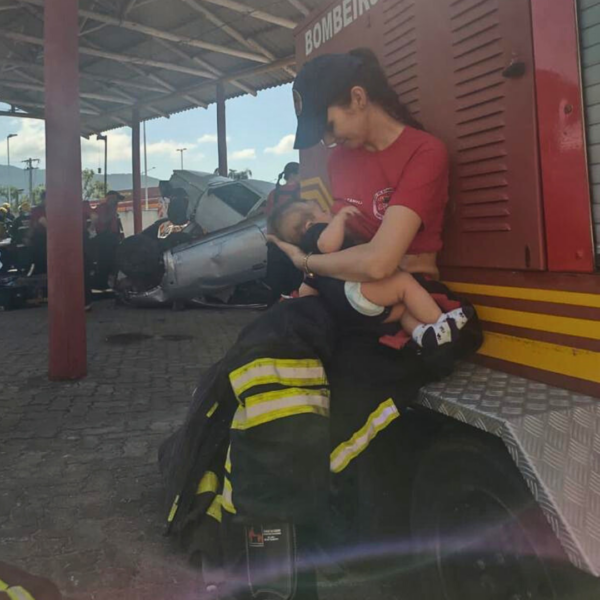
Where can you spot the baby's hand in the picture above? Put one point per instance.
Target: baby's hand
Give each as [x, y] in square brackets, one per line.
[348, 211]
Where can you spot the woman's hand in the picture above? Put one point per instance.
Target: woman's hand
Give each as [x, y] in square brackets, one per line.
[294, 253]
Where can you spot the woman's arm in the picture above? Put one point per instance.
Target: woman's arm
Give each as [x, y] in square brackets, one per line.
[368, 262]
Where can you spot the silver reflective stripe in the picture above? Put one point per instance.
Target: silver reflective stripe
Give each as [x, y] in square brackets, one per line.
[272, 370]
[227, 497]
[271, 406]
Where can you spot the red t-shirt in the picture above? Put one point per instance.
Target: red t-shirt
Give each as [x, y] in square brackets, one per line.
[412, 172]
[289, 191]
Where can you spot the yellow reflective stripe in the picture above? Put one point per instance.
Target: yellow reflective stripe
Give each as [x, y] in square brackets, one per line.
[282, 404]
[228, 460]
[208, 483]
[215, 510]
[227, 499]
[18, 593]
[290, 372]
[378, 420]
[15, 592]
[211, 412]
[173, 509]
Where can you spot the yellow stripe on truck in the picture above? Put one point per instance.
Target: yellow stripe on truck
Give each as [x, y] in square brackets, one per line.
[537, 295]
[564, 360]
[585, 328]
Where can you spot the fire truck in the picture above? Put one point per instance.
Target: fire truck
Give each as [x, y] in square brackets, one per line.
[501, 461]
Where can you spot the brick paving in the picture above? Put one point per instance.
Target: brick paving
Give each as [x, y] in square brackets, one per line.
[80, 498]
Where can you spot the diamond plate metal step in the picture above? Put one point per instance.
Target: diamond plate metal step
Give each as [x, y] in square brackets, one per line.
[553, 436]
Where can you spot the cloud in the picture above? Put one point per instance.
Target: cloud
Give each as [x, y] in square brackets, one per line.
[166, 147]
[248, 153]
[284, 146]
[29, 143]
[119, 147]
[210, 138]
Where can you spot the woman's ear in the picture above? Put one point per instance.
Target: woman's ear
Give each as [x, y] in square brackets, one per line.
[359, 98]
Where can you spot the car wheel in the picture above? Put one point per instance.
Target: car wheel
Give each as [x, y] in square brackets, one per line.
[478, 532]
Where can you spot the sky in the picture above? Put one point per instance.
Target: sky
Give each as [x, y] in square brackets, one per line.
[260, 131]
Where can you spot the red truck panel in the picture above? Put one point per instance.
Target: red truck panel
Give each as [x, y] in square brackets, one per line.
[447, 60]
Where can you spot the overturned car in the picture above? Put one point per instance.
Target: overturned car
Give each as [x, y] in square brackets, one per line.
[210, 249]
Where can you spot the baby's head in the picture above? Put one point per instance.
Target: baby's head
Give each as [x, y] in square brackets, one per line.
[290, 221]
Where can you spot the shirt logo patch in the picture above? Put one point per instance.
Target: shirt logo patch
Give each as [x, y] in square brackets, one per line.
[354, 201]
[380, 202]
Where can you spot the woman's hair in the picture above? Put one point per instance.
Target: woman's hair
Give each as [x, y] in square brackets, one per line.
[292, 168]
[278, 216]
[372, 78]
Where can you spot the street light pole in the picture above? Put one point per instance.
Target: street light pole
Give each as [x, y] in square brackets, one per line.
[10, 135]
[104, 138]
[145, 166]
[181, 151]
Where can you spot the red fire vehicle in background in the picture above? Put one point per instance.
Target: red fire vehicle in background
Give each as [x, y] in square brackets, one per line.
[505, 491]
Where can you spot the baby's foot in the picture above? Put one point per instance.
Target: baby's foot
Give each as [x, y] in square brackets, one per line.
[430, 337]
[460, 316]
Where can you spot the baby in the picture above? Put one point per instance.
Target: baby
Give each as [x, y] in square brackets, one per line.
[398, 298]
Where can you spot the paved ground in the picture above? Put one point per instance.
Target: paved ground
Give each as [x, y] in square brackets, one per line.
[80, 493]
[80, 498]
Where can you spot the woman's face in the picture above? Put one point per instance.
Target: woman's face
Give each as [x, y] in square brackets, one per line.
[347, 125]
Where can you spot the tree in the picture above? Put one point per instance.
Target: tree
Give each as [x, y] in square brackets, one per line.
[91, 189]
[37, 194]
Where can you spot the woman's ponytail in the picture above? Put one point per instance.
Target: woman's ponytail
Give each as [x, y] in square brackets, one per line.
[278, 184]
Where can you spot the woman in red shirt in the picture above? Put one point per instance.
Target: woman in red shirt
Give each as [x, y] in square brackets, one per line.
[290, 190]
[312, 397]
[395, 173]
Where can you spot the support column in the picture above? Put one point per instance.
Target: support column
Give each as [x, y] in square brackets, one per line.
[66, 317]
[222, 130]
[137, 171]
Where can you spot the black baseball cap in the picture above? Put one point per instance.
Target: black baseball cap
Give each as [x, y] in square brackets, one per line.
[115, 193]
[318, 84]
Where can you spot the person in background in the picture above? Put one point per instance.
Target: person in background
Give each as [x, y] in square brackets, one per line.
[21, 225]
[88, 262]
[19, 234]
[9, 216]
[289, 191]
[282, 277]
[109, 233]
[38, 236]
[4, 223]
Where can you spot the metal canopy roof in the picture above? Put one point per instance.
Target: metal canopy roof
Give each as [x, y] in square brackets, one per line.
[163, 56]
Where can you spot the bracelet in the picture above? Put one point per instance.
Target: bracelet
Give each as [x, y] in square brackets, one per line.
[305, 268]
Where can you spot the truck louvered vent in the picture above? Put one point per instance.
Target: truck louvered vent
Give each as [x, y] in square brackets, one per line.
[482, 191]
[400, 51]
[589, 26]
[465, 68]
